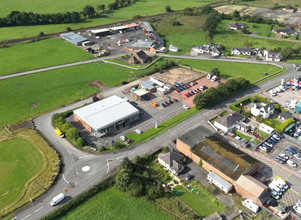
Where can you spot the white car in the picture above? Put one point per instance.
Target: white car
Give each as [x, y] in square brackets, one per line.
[297, 156]
[268, 144]
[276, 137]
[284, 156]
[185, 106]
[138, 131]
[201, 88]
[97, 37]
[263, 148]
[291, 163]
[122, 138]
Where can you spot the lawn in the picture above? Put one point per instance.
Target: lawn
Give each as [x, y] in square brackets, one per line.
[276, 122]
[242, 135]
[251, 72]
[190, 200]
[260, 30]
[20, 161]
[263, 134]
[44, 53]
[143, 8]
[55, 88]
[113, 204]
[213, 120]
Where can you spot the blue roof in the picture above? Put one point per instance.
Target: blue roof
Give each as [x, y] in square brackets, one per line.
[298, 107]
[73, 38]
[147, 84]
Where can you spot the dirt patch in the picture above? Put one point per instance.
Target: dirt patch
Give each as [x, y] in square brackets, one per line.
[19, 84]
[36, 104]
[96, 84]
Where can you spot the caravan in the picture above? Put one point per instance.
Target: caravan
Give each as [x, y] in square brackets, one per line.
[251, 205]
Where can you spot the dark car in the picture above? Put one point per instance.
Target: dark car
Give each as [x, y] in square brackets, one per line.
[166, 103]
[163, 105]
[188, 177]
[205, 87]
[124, 82]
[188, 94]
[170, 102]
[161, 72]
[278, 160]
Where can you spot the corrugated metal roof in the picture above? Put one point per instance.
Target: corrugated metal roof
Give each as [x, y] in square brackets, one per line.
[143, 44]
[73, 37]
[193, 137]
[106, 112]
[100, 30]
[147, 84]
[148, 26]
[220, 180]
[251, 185]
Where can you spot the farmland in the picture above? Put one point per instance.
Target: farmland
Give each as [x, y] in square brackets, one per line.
[251, 72]
[143, 8]
[39, 54]
[19, 162]
[269, 4]
[113, 204]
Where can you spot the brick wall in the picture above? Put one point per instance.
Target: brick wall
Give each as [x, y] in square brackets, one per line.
[82, 122]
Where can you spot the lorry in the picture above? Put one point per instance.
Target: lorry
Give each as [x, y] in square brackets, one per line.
[57, 199]
[250, 205]
[59, 132]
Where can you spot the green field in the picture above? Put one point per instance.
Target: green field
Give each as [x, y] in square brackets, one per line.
[260, 30]
[44, 53]
[251, 72]
[113, 204]
[269, 3]
[143, 8]
[19, 162]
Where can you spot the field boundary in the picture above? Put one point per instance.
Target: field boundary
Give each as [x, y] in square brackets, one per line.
[270, 38]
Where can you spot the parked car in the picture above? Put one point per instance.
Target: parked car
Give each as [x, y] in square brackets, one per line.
[288, 151]
[201, 88]
[189, 94]
[175, 100]
[278, 160]
[124, 82]
[198, 90]
[186, 95]
[163, 105]
[291, 163]
[160, 72]
[273, 139]
[195, 92]
[284, 156]
[166, 103]
[276, 137]
[170, 102]
[122, 138]
[268, 144]
[188, 177]
[185, 106]
[297, 156]
[275, 194]
[177, 90]
[282, 159]
[181, 83]
[293, 150]
[180, 90]
[185, 86]
[263, 148]
[188, 86]
[138, 131]
[191, 84]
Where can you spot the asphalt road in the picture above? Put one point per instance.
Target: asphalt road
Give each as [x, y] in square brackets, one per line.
[75, 160]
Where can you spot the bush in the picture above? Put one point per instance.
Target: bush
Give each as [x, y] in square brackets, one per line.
[80, 142]
[200, 163]
[167, 8]
[280, 128]
[234, 108]
[246, 113]
[244, 100]
[68, 29]
[259, 119]
[164, 149]
[269, 123]
[41, 33]
[63, 115]
[259, 98]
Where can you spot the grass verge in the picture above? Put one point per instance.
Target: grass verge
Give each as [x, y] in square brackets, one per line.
[263, 134]
[276, 122]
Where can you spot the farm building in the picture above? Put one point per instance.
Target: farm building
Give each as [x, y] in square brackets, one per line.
[140, 57]
[101, 32]
[106, 115]
[140, 94]
[73, 38]
[127, 27]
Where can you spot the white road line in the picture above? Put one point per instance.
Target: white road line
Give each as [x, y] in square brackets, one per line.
[65, 179]
[77, 172]
[26, 217]
[38, 209]
[69, 152]
[120, 157]
[108, 167]
[91, 173]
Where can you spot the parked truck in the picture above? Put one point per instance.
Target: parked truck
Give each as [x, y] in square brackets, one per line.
[59, 132]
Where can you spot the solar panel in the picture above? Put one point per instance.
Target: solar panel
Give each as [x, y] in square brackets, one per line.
[218, 157]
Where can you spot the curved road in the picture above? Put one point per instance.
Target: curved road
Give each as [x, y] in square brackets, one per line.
[99, 165]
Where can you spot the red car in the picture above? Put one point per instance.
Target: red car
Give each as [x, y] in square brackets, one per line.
[123, 41]
[150, 36]
[175, 100]
[166, 103]
[156, 39]
[188, 85]
[177, 90]
[186, 95]
[198, 90]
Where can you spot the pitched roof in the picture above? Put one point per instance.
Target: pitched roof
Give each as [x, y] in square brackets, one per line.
[214, 216]
[224, 157]
[237, 24]
[285, 115]
[251, 185]
[230, 119]
[147, 84]
[142, 55]
[170, 157]
[286, 30]
[266, 107]
[242, 49]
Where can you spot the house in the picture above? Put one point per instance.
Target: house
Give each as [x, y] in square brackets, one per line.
[231, 121]
[173, 48]
[215, 51]
[237, 26]
[171, 161]
[219, 182]
[284, 116]
[214, 216]
[264, 110]
[288, 10]
[286, 31]
[202, 49]
[139, 57]
[241, 51]
[271, 56]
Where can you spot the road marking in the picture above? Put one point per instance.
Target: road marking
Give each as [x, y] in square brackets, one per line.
[65, 179]
[69, 152]
[92, 172]
[108, 167]
[120, 157]
[38, 209]
[77, 172]
[26, 217]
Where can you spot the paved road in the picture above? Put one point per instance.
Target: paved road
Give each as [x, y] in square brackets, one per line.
[75, 160]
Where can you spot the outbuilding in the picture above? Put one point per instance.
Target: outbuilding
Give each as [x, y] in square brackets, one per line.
[148, 86]
[106, 115]
[101, 32]
[140, 94]
[219, 182]
[73, 38]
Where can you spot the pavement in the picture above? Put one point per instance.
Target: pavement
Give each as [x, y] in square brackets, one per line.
[101, 165]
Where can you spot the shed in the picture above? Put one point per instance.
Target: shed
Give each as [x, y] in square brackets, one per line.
[173, 48]
[285, 115]
[289, 127]
[73, 38]
[148, 86]
[219, 182]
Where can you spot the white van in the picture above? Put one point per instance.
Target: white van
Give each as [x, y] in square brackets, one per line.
[250, 205]
[274, 187]
[57, 199]
[213, 78]
[209, 76]
[279, 185]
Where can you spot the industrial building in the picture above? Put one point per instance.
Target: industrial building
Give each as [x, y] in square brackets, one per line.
[106, 115]
[101, 32]
[148, 86]
[127, 27]
[74, 38]
[140, 94]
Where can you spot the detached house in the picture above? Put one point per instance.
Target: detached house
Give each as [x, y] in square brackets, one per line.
[241, 51]
[231, 121]
[271, 56]
[215, 52]
[202, 49]
[286, 31]
[139, 57]
[237, 26]
[171, 161]
[264, 110]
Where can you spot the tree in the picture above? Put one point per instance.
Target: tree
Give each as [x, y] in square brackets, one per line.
[242, 82]
[248, 44]
[155, 191]
[123, 179]
[211, 94]
[59, 122]
[287, 53]
[254, 26]
[231, 84]
[211, 24]
[222, 90]
[135, 188]
[110, 6]
[117, 145]
[183, 160]
[245, 30]
[216, 72]
[126, 164]
[200, 100]
[66, 127]
[145, 174]
[200, 163]
[89, 10]
[167, 8]
[236, 14]
[41, 33]
[68, 28]
[72, 134]
[100, 8]
[80, 142]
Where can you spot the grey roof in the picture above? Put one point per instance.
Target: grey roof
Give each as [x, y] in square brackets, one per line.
[172, 159]
[220, 180]
[230, 119]
[266, 107]
[237, 24]
[148, 26]
[193, 137]
[143, 44]
[160, 40]
[214, 216]
[242, 49]
[286, 30]
[285, 115]
[147, 84]
[73, 37]
[172, 47]
[106, 112]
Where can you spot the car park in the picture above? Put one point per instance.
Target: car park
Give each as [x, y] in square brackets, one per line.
[122, 138]
[297, 156]
[291, 163]
[185, 106]
[138, 131]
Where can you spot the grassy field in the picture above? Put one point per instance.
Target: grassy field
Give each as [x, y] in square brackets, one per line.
[112, 204]
[242, 135]
[251, 72]
[190, 200]
[143, 8]
[19, 162]
[44, 53]
[260, 30]
[268, 4]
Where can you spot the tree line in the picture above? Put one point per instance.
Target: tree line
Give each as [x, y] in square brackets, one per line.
[17, 18]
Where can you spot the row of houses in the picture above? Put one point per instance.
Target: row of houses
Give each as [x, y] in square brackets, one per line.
[212, 48]
[268, 54]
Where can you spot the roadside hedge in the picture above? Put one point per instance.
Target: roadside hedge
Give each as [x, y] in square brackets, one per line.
[63, 115]
[280, 128]
[259, 98]
[78, 200]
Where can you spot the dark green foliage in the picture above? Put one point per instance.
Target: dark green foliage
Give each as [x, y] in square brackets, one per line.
[80, 142]
[167, 8]
[117, 145]
[145, 174]
[68, 28]
[200, 163]
[126, 164]
[216, 72]
[41, 33]
[287, 52]
[123, 179]
[72, 134]
[259, 119]
[236, 106]
[280, 128]
[245, 31]
[211, 24]
[59, 122]
[246, 113]
[135, 188]
[89, 10]
[63, 115]
[155, 191]
[164, 149]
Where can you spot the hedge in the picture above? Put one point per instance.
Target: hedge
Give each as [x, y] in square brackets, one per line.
[259, 98]
[78, 200]
[269, 123]
[280, 128]
[237, 109]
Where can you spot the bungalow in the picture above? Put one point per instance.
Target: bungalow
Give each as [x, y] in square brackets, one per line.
[139, 57]
[173, 48]
[264, 110]
[241, 51]
[202, 49]
[231, 121]
[286, 31]
[171, 161]
[237, 26]
[284, 116]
